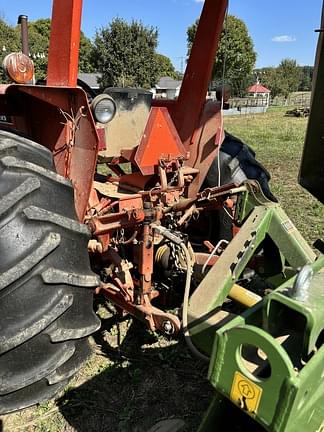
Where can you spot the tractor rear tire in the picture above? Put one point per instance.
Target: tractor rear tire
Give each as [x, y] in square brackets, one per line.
[46, 284]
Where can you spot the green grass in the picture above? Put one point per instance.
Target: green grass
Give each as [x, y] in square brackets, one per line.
[149, 378]
[278, 142]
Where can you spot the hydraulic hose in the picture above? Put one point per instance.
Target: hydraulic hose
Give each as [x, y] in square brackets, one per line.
[179, 241]
[185, 307]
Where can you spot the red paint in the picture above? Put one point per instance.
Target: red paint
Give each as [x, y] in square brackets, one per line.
[258, 88]
[160, 139]
[74, 144]
[101, 131]
[63, 55]
[186, 114]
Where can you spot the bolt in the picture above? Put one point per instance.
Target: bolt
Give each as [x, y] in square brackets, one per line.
[168, 327]
[147, 205]
[137, 215]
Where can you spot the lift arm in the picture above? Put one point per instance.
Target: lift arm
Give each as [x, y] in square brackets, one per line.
[63, 55]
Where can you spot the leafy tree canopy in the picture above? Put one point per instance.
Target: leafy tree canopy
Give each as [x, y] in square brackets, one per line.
[8, 38]
[287, 77]
[290, 75]
[165, 67]
[236, 53]
[306, 73]
[9, 42]
[39, 35]
[38, 32]
[125, 54]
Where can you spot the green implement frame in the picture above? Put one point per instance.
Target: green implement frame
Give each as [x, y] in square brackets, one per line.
[266, 219]
[273, 372]
[268, 362]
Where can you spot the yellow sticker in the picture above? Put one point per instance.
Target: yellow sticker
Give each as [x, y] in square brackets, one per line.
[245, 393]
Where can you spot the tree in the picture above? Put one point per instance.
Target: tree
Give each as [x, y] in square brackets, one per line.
[9, 42]
[85, 55]
[39, 35]
[272, 79]
[306, 78]
[39, 32]
[283, 79]
[125, 54]
[235, 53]
[290, 75]
[165, 66]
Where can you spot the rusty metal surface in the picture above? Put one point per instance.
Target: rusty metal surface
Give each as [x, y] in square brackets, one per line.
[154, 318]
[125, 218]
[102, 138]
[3, 88]
[23, 21]
[7, 105]
[166, 103]
[146, 259]
[111, 190]
[61, 120]
[19, 67]
[205, 144]
[64, 43]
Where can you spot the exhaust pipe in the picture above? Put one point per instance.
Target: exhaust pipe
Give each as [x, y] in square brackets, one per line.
[23, 21]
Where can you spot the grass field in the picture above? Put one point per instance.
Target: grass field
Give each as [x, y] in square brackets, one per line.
[136, 378]
[278, 142]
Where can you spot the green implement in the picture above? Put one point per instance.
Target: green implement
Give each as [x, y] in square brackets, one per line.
[274, 371]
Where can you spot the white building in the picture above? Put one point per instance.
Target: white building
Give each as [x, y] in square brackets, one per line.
[258, 91]
[166, 88]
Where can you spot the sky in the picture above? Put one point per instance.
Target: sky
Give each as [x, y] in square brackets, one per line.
[279, 28]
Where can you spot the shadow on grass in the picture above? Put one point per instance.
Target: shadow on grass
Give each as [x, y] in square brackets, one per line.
[141, 385]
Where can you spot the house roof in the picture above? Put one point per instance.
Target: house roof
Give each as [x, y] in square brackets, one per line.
[258, 88]
[168, 83]
[90, 78]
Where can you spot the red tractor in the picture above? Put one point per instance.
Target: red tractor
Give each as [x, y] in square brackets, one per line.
[56, 210]
[171, 214]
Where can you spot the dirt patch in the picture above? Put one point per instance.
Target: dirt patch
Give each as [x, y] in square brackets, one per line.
[134, 379]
